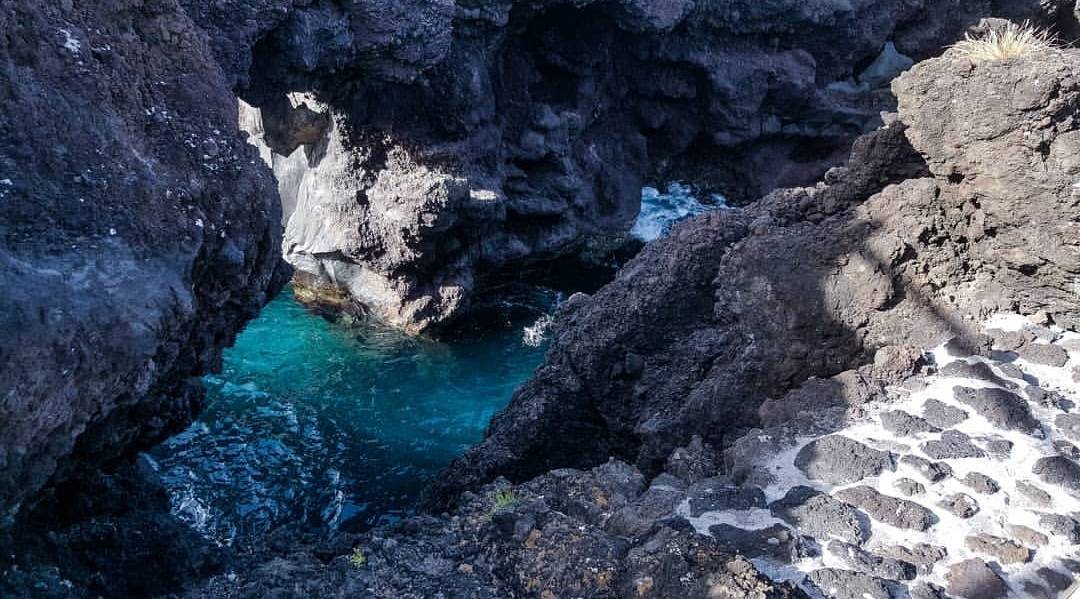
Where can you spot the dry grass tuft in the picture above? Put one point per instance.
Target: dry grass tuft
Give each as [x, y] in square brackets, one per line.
[1011, 41]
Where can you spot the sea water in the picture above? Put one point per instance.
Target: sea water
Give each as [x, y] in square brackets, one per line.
[661, 210]
[328, 424]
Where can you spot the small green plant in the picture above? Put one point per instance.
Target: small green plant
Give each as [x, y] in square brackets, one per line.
[1010, 41]
[358, 559]
[503, 499]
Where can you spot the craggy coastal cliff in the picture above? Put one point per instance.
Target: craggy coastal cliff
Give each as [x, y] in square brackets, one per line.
[859, 387]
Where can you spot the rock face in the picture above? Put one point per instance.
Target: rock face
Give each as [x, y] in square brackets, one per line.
[737, 307]
[138, 234]
[489, 133]
[563, 534]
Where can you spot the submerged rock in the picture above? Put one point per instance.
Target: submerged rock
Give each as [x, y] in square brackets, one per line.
[1060, 471]
[846, 584]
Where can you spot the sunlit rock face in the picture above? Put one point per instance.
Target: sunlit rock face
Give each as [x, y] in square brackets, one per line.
[421, 146]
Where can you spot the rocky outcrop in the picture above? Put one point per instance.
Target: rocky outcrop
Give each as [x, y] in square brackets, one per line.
[138, 234]
[604, 532]
[421, 147]
[697, 333]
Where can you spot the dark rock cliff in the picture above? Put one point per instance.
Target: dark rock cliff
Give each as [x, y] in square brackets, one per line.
[895, 249]
[138, 233]
[421, 146]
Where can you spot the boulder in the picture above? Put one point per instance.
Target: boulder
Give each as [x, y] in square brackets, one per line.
[901, 513]
[1002, 408]
[952, 445]
[943, 415]
[973, 579]
[981, 483]
[839, 460]
[1059, 471]
[961, 505]
[860, 560]
[1004, 550]
[816, 514]
[903, 424]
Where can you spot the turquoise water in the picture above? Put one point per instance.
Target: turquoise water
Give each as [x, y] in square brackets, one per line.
[339, 426]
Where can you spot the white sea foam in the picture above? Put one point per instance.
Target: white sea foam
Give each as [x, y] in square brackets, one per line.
[997, 511]
[534, 334]
[661, 210]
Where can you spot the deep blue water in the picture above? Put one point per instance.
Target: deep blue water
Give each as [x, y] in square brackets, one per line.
[335, 424]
